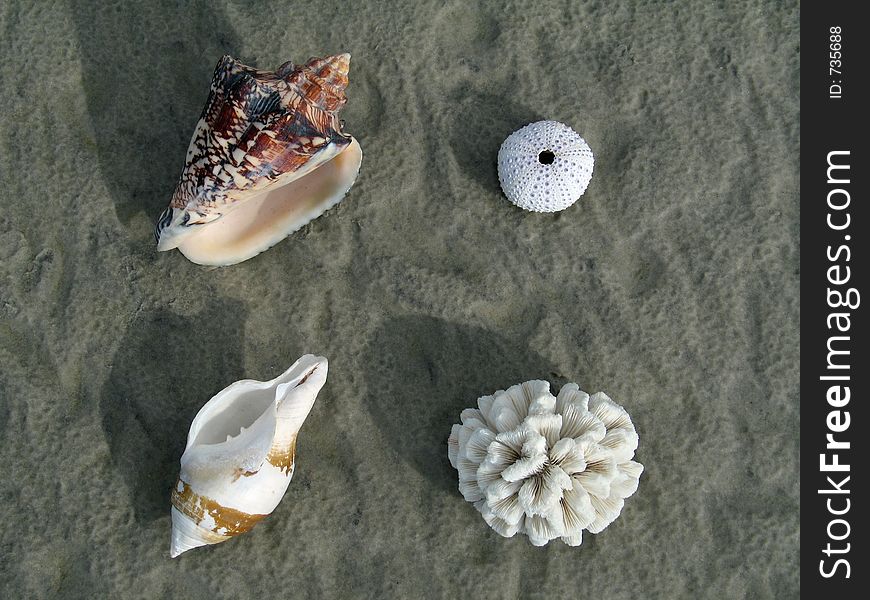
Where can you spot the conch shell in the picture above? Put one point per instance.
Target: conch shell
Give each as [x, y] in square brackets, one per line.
[240, 453]
[267, 156]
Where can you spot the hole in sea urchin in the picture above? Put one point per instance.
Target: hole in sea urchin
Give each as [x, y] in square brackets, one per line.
[546, 157]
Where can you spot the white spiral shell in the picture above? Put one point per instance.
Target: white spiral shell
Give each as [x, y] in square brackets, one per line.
[544, 166]
[546, 466]
[240, 455]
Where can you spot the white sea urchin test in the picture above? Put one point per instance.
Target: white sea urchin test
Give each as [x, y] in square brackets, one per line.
[546, 466]
[544, 166]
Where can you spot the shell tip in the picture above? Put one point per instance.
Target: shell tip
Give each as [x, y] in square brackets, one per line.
[183, 536]
[176, 545]
[340, 62]
[176, 549]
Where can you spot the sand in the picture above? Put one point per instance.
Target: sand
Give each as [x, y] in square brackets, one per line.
[672, 285]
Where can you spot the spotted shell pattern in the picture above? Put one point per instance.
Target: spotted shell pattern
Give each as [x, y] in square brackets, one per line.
[544, 166]
[257, 127]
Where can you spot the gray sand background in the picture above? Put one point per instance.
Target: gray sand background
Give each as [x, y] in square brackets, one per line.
[672, 285]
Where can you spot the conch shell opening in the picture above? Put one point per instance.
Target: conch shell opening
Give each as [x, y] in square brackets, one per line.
[264, 220]
[268, 156]
[240, 455]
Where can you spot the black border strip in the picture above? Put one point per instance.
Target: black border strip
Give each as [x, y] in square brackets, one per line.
[834, 260]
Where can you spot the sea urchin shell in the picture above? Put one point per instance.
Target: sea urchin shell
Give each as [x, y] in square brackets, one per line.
[546, 466]
[544, 166]
[267, 156]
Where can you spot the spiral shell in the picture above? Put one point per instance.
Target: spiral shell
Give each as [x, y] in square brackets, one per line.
[240, 455]
[546, 466]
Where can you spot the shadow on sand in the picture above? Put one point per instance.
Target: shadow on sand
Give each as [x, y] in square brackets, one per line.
[426, 371]
[479, 125]
[167, 367]
[146, 73]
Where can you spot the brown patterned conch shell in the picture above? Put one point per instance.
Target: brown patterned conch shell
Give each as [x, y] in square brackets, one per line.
[240, 455]
[267, 156]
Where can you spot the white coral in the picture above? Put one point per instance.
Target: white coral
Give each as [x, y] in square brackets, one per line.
[544, 166]
[546, 466]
